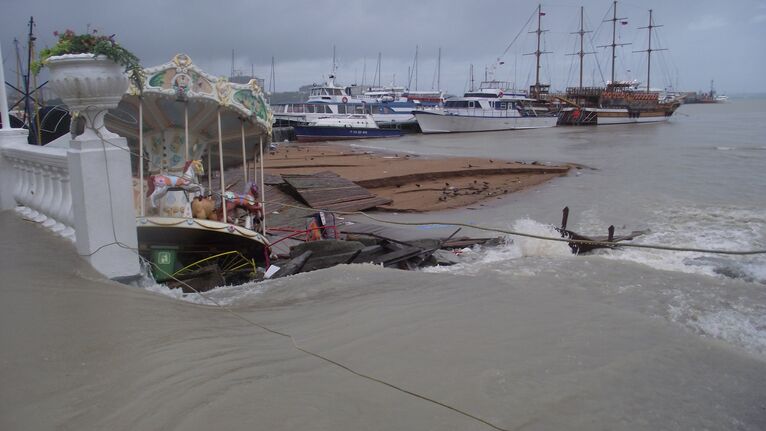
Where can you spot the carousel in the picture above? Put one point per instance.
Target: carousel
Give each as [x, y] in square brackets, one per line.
[190, 128]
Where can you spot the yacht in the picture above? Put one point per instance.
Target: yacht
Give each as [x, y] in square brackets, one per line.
[492, 107]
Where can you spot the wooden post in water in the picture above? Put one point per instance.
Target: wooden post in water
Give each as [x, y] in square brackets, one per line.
[564, 218]
[611, 233]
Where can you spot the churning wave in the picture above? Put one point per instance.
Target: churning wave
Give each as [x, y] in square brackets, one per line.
[703, 228]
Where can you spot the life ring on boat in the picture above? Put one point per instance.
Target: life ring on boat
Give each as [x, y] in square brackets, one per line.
[500, 94]
[344, 99]
[576, 114]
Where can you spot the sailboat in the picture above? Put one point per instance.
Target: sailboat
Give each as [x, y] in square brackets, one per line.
[620, 102]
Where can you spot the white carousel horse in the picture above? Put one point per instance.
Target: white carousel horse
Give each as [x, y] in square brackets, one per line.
[160, 185]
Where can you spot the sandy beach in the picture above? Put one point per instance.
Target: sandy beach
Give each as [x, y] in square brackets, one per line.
[414, 183]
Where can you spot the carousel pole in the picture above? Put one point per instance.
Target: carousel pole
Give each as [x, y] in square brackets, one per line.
[186, 129]
[263, 192]
[209, 167]
[220, 164]
[244, 151]
[142, 199]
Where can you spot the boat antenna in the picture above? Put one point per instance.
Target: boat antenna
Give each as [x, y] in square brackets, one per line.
[538, 53]
[332, 70]
[272, 78]
[416, 68]
[364, 70]
[581, 53]
[377, 69]
[470, 74]
[614, 43]
[439, 71]
[231, 74]
[649, 50]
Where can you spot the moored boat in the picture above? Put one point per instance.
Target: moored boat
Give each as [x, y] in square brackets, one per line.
[620, 102]
[332, 99]
[493, 106]
[340, 127]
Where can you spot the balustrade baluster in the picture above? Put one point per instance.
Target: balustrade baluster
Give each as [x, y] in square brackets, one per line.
[46, 196]
[55, 212]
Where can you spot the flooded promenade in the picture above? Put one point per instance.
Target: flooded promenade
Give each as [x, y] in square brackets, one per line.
[81, 352]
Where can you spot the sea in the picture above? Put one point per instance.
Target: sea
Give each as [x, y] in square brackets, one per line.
[695, 181]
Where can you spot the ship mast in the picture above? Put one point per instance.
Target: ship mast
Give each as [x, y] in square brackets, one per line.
[614, 43]
[538, 52]
[649, 50]
[582, 33]
[439, 71]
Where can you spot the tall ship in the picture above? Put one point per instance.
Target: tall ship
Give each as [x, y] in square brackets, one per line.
[620, 102]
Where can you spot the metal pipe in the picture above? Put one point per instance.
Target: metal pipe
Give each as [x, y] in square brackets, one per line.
[210, 168]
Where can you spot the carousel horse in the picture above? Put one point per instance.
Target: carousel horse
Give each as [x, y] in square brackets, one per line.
[247, 201]
[160, 185]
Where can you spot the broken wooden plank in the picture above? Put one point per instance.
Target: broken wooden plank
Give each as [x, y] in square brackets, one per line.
[294, 266]
[327, 190]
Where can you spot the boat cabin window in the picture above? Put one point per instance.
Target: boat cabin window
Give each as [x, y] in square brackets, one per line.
[456, 104]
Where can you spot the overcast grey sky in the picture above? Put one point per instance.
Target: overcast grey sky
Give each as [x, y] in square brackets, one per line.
[707, 39]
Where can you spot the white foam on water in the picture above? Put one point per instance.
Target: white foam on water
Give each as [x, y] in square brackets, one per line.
[702, 228]
[747, 331]
[738, 322]
[219, 296]
[480, 259]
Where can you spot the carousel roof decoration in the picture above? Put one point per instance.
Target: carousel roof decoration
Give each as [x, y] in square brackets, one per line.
[181, 104]
[182, 80]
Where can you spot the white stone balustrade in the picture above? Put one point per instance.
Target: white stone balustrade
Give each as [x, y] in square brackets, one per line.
[77, 192]
[41, 186]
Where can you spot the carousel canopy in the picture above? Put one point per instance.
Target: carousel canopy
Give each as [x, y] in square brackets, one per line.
[178, 100]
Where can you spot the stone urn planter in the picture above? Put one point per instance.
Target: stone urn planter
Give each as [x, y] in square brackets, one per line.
[90, 85]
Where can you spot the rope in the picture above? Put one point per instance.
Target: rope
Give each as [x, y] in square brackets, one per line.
[534, 236]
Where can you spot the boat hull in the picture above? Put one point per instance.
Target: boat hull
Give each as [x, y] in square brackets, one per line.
[434, 122]
[586, 116]
[332, 133]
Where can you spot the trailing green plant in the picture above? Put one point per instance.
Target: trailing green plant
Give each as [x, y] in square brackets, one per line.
[92, 43]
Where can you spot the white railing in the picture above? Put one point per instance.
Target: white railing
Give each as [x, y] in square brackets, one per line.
[42, 187]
